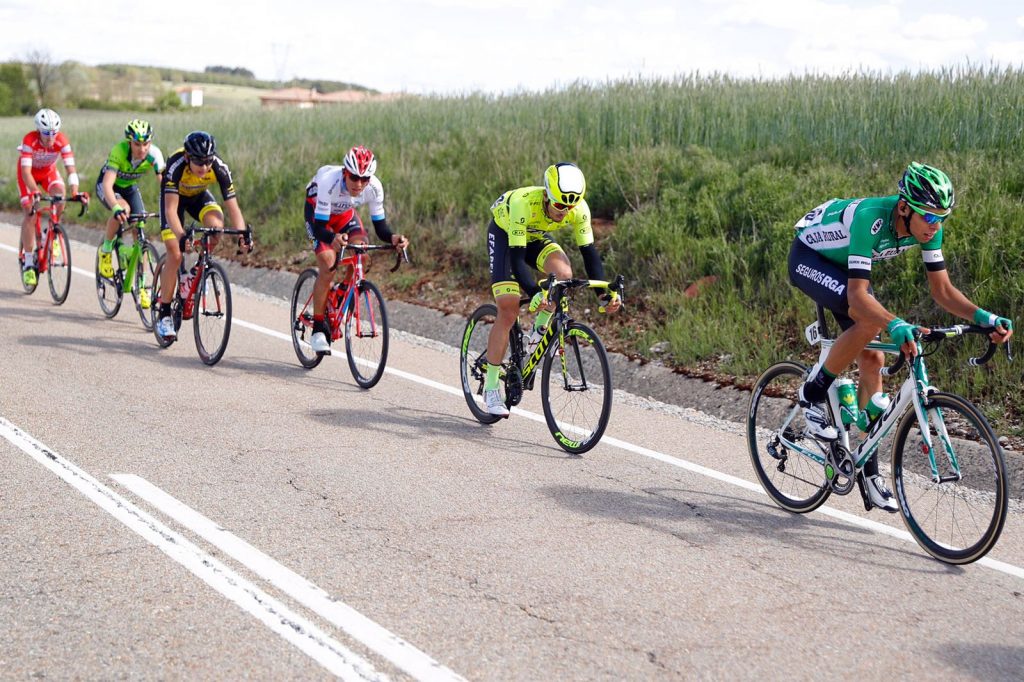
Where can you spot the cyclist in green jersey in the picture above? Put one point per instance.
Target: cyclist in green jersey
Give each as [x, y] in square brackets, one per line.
[517, 238]
[117, 184]
[830, 261]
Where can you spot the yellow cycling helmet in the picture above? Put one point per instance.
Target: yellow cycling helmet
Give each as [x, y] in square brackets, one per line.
[565, 184]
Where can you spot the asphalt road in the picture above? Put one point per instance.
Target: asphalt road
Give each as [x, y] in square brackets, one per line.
[163, 519]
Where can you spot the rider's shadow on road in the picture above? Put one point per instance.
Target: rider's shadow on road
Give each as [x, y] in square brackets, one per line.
[415, 425]
[701, 518]
[982, 661]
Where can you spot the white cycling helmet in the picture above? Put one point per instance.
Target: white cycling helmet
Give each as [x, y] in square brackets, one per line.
[47, 121]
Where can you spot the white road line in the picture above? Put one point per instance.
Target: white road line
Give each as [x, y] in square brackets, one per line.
[881, 528]
[404, 655]
[295, 629]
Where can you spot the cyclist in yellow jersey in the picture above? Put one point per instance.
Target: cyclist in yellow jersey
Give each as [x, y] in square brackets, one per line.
[518, 240]
[190, 170]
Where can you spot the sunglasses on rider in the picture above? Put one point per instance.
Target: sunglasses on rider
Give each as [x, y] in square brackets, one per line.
[930, 218]
[562, 207]
[360, 178]
[205, 161]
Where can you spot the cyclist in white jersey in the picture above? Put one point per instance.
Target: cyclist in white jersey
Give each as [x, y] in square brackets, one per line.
[332, 197]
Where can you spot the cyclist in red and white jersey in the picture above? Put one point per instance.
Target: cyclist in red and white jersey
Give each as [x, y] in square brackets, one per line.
[37, 169]
[332, 197]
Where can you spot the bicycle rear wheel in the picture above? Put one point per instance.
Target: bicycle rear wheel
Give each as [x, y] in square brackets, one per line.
[144, 281]
[108, 289]
[577, 394]
[795, 482]
[58, 266]
[959, 519]
[211, 314]
[366, 335]
[473, 360]
[302, 319]
[164, 341]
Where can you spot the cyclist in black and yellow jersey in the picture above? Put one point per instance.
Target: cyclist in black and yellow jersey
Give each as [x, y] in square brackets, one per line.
[190, 171]
[518, 240]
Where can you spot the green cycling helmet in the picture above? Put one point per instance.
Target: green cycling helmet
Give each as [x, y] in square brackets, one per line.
[138, 130]
[927, 189]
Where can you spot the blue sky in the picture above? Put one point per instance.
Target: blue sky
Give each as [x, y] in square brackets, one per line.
[451, 46]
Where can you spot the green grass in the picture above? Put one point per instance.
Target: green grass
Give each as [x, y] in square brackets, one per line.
[703, 176]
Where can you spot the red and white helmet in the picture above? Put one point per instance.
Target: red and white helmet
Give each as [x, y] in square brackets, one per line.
[47, 121]
[360, 161]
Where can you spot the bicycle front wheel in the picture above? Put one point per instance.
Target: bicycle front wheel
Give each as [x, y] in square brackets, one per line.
[108, 290]
[164, 341]
[955, 511]
[211, 314]
[774, 422]
[577, 391]
[143, 284]
[366, 335]
[302, 319]
[58, 270]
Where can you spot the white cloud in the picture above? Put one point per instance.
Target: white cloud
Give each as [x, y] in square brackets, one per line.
[1007, 53]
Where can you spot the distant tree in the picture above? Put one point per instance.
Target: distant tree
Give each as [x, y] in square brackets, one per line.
[15, 93]
[231, 71]
[44, 72]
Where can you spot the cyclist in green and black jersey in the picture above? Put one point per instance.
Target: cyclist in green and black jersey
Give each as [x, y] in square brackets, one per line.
[117, 184]
[830, 261]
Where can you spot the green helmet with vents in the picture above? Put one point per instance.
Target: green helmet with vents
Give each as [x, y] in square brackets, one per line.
[138, 130]
[927, 189]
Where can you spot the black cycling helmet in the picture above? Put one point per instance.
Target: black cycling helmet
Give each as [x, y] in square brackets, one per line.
[200, 144]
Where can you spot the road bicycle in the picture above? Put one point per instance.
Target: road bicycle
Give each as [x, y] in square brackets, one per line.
[947, 467]
[576, 380]
[53, 252]
[134, 270]
[202, 294]
[355, 309]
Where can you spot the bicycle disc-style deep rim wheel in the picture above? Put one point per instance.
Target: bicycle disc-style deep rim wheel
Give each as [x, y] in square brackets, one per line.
[163, 341]
[302, 319]
[211, 314]
[108, 292]
[957, 521]
[473, 360]
[145, 279]
[576, 389]
[21, 264]
[366, 335]
[58, 266]
[795, 482]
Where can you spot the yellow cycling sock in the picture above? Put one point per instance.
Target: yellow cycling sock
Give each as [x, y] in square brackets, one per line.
[491, 382]
[542, 320]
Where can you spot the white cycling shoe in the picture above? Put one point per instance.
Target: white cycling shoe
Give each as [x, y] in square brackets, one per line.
[165, 328]
[318, 342]
[815, 423]
[879, 495]
[495, 403]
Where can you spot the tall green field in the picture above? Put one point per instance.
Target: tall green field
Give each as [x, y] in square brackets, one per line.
[702, 176]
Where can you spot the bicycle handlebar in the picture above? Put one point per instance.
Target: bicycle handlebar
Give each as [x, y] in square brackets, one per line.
[80, 198]
[401, 255]
[938, 334]
[207, 231]
[555, 287]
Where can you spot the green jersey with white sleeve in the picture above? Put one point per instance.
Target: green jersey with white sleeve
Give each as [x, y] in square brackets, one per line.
[853, 233]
